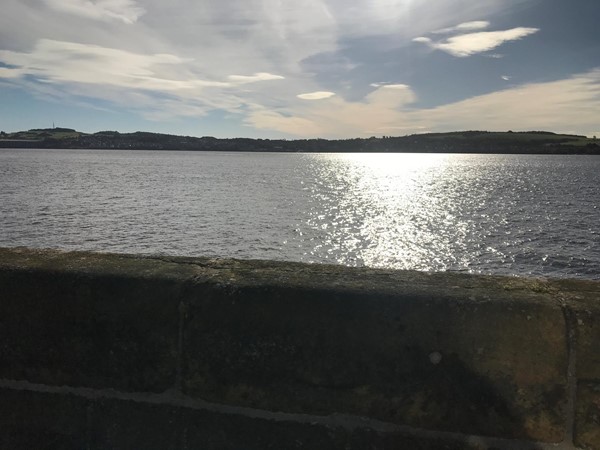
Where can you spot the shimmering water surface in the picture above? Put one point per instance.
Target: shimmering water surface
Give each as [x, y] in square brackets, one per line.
[503, 214]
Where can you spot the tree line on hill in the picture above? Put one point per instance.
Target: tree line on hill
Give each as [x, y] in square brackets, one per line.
[456, 142]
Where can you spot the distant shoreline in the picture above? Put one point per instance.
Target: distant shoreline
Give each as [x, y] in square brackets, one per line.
[470, 142]
[557, 152]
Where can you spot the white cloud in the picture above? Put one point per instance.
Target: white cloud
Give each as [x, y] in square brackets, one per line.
[389, 85]
[10, 73]
[239, 36]
[259, 76]
[473, 43]
[69, 62]
[395, 86]
[156, 86]
[263, 118]
[337, 117]
[319, 95]
[127, 11]
[564, 105]
[466, 26]
[188, 57]
[232, 37]
[423, 39]
[405, 18]
[409, 128]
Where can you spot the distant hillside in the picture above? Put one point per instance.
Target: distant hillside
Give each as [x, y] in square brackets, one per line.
[538, 142]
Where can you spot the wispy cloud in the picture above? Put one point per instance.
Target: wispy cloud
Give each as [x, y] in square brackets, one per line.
[127, 11]
[259, 76]
[74, 63]
[69, 62]
[338, 117]
[410, 17]
[569, 104]
[159, 86]
[472, 43]
[398, 86]
[319, 95]
[248, 58]
[563, 105]
[466, 26]
[263, 118]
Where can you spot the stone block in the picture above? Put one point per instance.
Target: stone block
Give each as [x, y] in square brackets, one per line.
[214, 431]
[93, 330]
[126, 424]
[35, 420]
[587, 416]
[487, 359]
[470, 354]
[586, 306]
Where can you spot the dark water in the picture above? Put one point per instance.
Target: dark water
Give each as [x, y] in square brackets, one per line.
[502, 214]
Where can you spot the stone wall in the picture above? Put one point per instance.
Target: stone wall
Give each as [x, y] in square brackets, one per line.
[101, 351]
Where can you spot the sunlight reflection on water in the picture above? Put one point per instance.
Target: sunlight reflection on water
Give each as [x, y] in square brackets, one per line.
[440, 212]
[383, 210]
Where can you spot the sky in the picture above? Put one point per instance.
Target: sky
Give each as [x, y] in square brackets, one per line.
[302, 68]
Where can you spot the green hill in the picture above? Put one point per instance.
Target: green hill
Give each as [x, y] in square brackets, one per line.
[539, 142]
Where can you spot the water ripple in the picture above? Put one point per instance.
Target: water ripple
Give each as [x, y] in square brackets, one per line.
[503, 214]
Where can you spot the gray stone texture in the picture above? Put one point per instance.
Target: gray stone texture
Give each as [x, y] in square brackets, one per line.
[455, 353]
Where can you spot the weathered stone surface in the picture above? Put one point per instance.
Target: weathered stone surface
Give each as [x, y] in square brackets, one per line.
[588, 331]
[63, 421]
[587, 419]
[489, 360]
[583, 298]
[81, 328]
[33, 420]
[233, 432]
[473, 354]
[123, 424]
